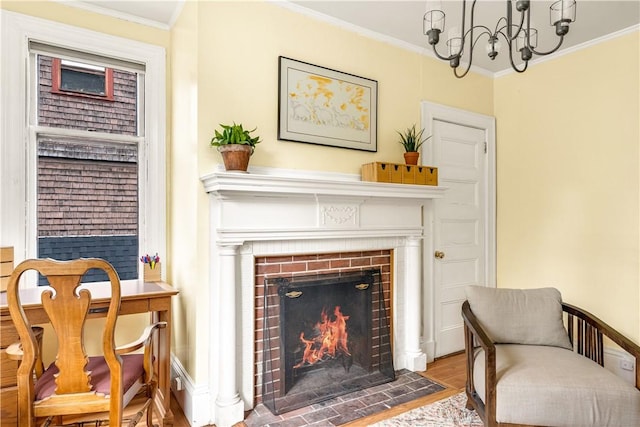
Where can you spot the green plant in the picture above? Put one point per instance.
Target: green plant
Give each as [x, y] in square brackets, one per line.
[411, 139]
[234, 134]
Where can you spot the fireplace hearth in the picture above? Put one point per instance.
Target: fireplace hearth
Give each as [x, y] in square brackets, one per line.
[333, 338]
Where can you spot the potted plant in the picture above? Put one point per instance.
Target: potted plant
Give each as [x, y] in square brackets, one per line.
[236, 145]
[411, 140]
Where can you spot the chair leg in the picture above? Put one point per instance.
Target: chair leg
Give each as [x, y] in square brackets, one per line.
[469, 405]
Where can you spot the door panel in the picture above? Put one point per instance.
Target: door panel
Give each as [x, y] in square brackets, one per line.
[459, 219]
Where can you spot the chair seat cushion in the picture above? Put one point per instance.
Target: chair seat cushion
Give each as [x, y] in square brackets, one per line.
[552, 386]
[132, 369]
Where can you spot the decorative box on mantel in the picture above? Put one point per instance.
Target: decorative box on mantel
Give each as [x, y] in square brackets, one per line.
[276, 212]
[400, 173]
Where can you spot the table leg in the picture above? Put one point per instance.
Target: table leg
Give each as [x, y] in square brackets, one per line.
[162, 350]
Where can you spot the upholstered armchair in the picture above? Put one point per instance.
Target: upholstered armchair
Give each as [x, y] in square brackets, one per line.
[533, 360]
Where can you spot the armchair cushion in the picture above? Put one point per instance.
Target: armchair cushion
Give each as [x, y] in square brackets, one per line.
[537, 385]
[520, 316]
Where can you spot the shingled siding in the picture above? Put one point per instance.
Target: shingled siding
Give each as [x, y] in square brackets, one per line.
[88, 190]
[88, 208]
[78, 112]
[83, 197]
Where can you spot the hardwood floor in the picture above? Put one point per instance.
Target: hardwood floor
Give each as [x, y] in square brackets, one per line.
[448, 371]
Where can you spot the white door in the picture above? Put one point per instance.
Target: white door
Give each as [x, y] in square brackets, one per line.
[463, 221]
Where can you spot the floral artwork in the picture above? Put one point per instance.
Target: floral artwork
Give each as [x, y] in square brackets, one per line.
[327, 107]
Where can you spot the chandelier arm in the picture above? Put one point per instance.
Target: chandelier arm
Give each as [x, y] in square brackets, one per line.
[463, 74]
[464, 38]
[513, 64]
[502, 18]
[444, 58]
[501, 29]
[521, 23]
[550, 51]
[542, 53]
[473, 45]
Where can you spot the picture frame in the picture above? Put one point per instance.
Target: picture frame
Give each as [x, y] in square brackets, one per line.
[318, 105]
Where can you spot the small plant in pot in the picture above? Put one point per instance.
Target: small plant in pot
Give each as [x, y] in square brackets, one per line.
[236, 145]
[412, 140]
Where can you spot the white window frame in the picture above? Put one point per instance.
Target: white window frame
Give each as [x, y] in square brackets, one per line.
[17, 154]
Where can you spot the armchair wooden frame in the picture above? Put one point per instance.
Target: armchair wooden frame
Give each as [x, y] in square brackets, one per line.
[585, 331]
[75, 391]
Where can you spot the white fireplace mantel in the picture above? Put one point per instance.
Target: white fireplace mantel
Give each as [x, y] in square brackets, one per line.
[278, 212]
[278, 182]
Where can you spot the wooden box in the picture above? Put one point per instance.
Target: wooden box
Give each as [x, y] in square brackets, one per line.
[426, 175]
[377, 172]
[152, 274]
[6, 266]
[400, 173]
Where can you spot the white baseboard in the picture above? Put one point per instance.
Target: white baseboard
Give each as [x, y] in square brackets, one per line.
[613, 361]
[193, 399]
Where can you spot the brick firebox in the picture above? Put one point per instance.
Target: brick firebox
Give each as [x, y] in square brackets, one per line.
[293, 265]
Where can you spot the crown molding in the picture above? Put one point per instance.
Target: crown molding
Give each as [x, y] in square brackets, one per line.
[122, 15]
[576, 48]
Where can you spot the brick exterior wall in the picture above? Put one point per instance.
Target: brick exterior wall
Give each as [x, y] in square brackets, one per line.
[292, 265]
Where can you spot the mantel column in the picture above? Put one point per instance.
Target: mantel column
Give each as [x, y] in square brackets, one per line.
[229, 406]
[416, 360]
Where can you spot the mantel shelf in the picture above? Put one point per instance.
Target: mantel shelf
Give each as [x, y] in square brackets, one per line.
[272, 182]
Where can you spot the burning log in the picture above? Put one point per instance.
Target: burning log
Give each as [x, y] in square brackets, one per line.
[329, 342]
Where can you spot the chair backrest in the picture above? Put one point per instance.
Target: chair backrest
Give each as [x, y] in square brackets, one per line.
[67, 307]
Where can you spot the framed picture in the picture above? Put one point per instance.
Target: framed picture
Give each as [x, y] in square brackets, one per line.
[318, 105]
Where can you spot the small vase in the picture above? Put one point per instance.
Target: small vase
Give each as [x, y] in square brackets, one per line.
[411, 157]
[236, 156]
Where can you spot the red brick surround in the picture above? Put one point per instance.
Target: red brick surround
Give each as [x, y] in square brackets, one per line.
[292, 265]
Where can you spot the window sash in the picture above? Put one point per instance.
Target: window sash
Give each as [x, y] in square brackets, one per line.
[18, 160]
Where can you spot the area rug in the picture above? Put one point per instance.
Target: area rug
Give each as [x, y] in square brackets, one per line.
[449, 412]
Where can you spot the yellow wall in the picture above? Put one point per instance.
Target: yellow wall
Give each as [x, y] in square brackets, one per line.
[568, 184]
[568, 179]
[223, 72]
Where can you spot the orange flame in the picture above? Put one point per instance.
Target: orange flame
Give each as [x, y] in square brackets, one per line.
[330, 341]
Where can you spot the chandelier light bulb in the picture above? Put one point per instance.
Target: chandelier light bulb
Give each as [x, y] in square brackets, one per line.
[561, 14]
[493, 46]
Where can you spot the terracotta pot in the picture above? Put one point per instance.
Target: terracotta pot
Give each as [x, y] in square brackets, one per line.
[411, 157]
[236, 156]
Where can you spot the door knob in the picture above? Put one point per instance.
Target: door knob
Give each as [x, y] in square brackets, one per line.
[439, 254]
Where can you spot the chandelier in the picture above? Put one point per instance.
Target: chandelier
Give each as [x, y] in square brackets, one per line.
[519, 37]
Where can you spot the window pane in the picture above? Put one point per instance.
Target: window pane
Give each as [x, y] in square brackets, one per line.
[88, 202]
[87, 187]
[82, 81]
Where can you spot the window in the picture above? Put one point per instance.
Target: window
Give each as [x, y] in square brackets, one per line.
[85, 170]
[79, 79]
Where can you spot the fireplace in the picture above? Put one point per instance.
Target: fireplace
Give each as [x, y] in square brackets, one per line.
[271, 213]
[333, 338]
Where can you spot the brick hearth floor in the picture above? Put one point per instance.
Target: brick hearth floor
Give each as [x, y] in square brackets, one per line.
[406, 387]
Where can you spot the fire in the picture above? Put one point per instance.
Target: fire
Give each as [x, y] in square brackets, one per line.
[330, 341]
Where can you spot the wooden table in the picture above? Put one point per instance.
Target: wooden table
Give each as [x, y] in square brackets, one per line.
[136, 297]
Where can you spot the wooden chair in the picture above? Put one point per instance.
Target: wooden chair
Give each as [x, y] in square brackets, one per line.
[77, 385]
[524, 368]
